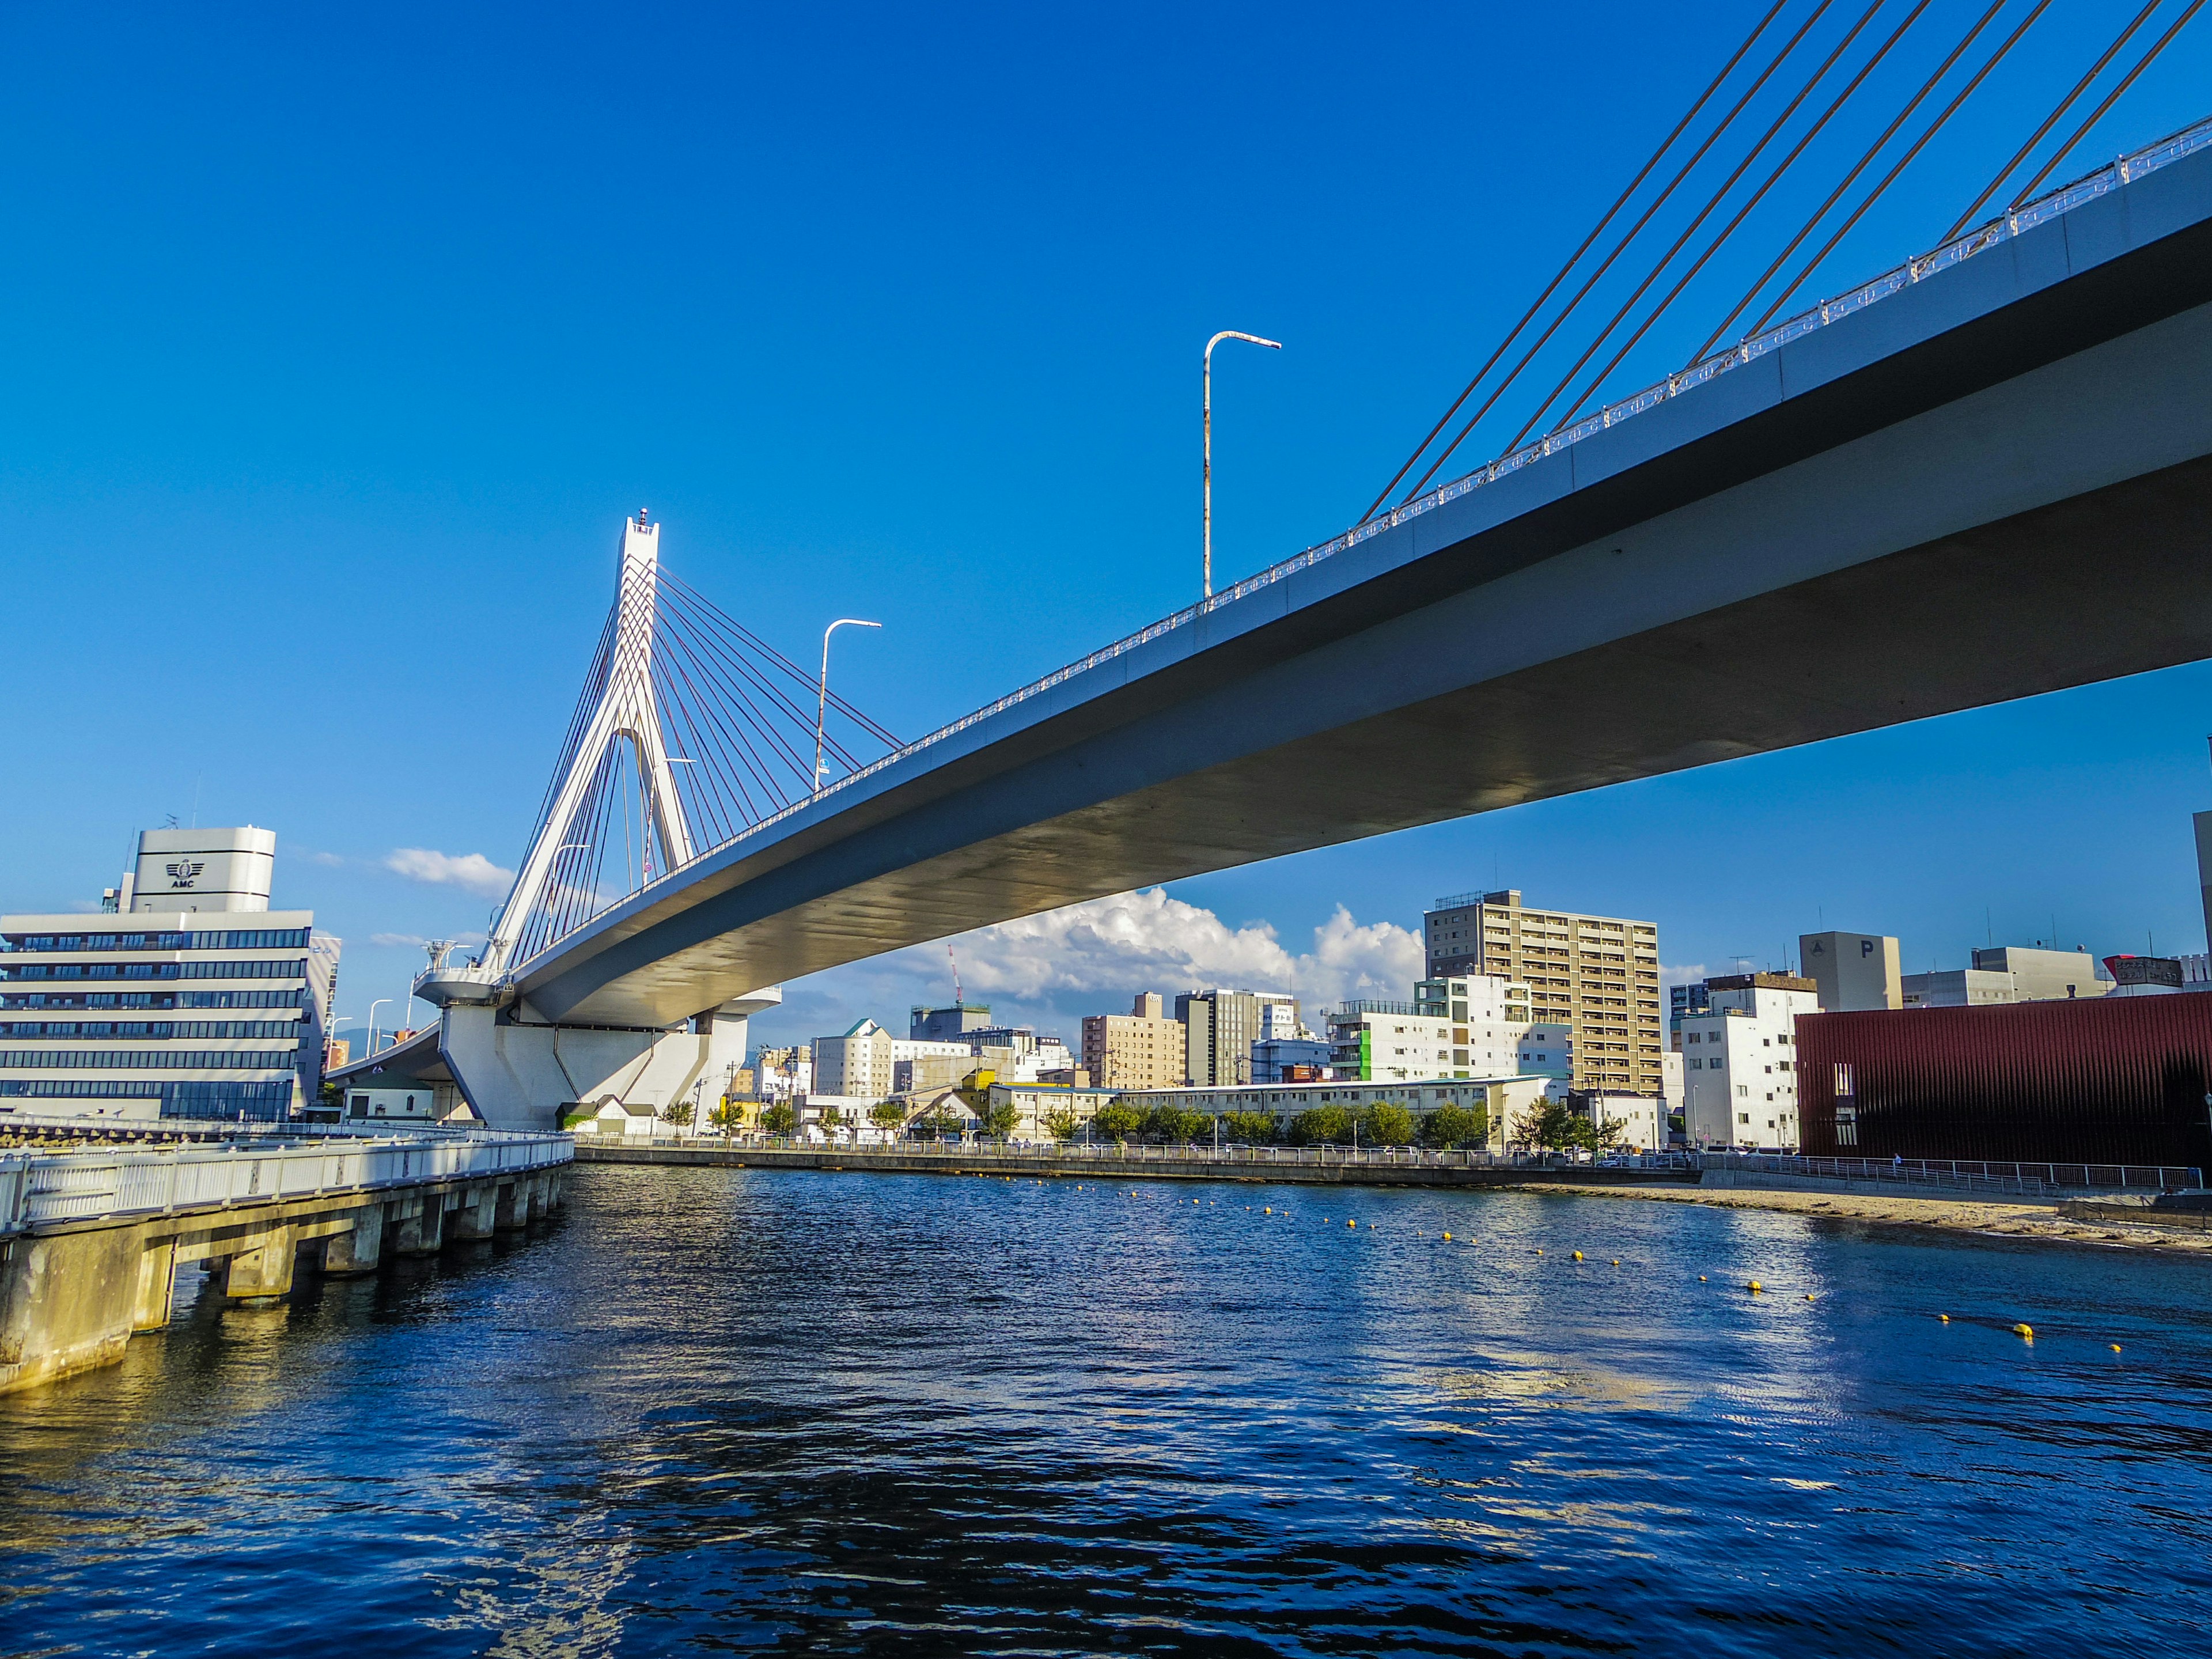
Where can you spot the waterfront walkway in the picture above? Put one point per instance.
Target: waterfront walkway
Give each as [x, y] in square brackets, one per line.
[90, 1242]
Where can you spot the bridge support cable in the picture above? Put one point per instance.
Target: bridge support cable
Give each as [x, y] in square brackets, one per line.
[1620, 247]
[1843, 185]
[1774, 176]
[1689, 231]
[690, 730]
[2056, 115]
[2111, 98]
[1942, 119]
[1574, 258]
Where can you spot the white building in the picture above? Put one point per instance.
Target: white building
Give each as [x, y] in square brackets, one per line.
[1639, 1121]
[187, 996]
[1740, 1061]
[1507, 1098]
[1467, 1026]
[857, 1064]
[2009, 973]
[1546, 1049]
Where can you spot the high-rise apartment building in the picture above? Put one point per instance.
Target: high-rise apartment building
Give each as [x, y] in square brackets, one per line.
[1140, 1049]
[1599, 975]
[1219, 1028]
[186, 997]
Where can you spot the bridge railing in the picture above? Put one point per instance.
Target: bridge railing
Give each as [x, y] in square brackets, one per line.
[42, 1188]
[2054, 203]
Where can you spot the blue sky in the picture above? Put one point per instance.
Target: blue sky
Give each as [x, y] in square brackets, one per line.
[338, 344]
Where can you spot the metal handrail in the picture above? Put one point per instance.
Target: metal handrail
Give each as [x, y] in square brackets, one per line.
[43, 1189]
[2055, 203]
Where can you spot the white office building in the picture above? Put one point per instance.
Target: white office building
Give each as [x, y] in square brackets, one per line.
[185, 996]
[1740, 1061]
[1469, 1025]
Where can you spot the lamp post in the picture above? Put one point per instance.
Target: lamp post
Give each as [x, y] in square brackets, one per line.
[822, 703]
[1206, 381]
[373, 1008]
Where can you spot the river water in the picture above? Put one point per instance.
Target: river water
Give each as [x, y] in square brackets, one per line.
[718, 1410]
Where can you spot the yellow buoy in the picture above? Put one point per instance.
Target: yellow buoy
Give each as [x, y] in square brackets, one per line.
[1808, 1296]
[1447, 1238]
[1616, 1262]
[1271, 1209]
[2028, 1331]
[1539, 1253]
[1349, 1223]
[1755, 1287]
[1945, 1318]
[1701, 1279]
[1579, 1256]
[2116, 1347]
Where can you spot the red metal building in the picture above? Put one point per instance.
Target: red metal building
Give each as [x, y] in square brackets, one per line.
[2100, 1080]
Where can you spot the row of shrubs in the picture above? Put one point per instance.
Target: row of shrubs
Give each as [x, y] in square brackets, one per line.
[1385, 1124]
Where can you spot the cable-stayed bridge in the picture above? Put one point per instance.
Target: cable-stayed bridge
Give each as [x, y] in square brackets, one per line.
[1984, 475]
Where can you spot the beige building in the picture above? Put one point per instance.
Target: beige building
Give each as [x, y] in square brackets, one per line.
[1599, 975]
[1219, 1028]
[857, 1064]
[1140, 1049]
[1854, 971]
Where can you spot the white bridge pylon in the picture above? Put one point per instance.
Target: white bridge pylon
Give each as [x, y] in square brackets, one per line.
[627, 712]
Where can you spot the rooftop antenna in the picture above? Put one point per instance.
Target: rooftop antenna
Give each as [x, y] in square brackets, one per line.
[958, 1001]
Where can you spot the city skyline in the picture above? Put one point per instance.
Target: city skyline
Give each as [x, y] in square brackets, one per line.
[360, 500]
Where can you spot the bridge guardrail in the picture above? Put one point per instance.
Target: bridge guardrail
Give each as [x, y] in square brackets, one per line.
[43, 1189]
[2053, 204]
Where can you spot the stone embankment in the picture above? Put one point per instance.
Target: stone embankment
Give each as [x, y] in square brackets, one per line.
[1301, 1165]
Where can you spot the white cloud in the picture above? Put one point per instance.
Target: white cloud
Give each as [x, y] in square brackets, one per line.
[472, 870]
[1146, 941]
[329, 860]
[1688, 973]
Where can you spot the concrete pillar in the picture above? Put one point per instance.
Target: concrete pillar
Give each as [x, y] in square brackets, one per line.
[475, 1217]
[358, 1251]
[157, 1282]
[510, 1206]
[419, 1227]
[265, 1270]
[65, 1303]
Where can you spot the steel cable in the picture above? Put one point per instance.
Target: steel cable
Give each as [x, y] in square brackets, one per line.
[1712, 203]
[2111, 98]
[1773, 178]
[2051, 120]
[1902, 162]
[1851, 178]
[1596, 230]
[1619, 247]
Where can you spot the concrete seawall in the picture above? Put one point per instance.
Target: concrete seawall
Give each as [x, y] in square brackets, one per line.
[1093, 1167]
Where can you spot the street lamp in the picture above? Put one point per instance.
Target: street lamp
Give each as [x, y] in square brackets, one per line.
[1207, 382]
[373, 1008]
[822, 704]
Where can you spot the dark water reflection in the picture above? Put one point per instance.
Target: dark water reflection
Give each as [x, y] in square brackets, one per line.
[716, 1410]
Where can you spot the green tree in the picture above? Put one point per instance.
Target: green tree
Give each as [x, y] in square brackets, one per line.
[1456, 1126]
[1119, 1121]
[1002, 1119]
[1060, 1121]
[1172, 1122]
[1320, 1126]
[728, 1116]
[779, 1119]
[1253, 1128]
[1557, 1126]
[1386, 1123]
[887, 1114]
[678, 1111]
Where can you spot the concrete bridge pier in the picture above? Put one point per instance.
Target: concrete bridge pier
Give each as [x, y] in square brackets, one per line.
[360, 1251]
[157, 1286]
[263, 1271]
[419, 1226]
[475, 1215]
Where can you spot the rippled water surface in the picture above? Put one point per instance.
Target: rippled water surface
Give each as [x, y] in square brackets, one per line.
[710, 1410]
